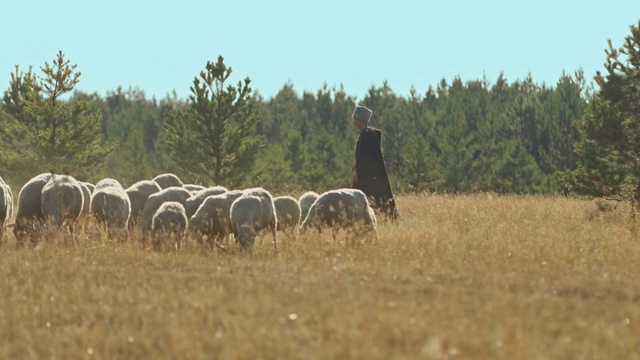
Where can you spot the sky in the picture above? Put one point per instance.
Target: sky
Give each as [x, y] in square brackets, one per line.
[160, 46]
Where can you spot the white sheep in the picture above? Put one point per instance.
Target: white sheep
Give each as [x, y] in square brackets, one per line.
[29, 218]
[306, 200]
[342, 209]
[250, 214]
[193, 187]
[91, 186]
[288, 212]
[62, 201]
[194, 201]
[6, 208]
[154, 201]
[138, 194]
[107, 182]
[86, 195]
[169, 223]
[213, 218]
[111, 208]
[168, 180]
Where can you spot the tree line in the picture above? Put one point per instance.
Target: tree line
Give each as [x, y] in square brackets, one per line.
[459, 136]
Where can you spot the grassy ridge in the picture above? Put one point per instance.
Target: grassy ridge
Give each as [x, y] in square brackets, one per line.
[476, 276]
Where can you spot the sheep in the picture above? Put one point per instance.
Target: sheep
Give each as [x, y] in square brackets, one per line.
[107, 182]
[251, 213]
[6, 208]
[195, 200]
[193, 187]
[61, 201]
[212, 219]
[29, 217]
[169, 222]
[154, 201]
[138, 194]
[287, 211]
[89, 185]
[111, 207]
[168, 180]
[86, 195]
[342, 208]
[306, 200]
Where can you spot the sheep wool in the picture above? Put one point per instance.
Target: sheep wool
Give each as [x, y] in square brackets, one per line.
[62, 201]
[138, 194]
[213, 218]
[169, 223]
[250, 214]
[111, 207]
[195, 200]
[341, 209]
[287, 211]
[154, 201]
[6, 208]
[29, 217]
[306, 200]
[168, 180]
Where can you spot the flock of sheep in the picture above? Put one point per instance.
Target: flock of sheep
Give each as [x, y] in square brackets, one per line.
[168, 212]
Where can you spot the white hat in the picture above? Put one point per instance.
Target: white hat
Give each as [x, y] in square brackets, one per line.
[362, 113]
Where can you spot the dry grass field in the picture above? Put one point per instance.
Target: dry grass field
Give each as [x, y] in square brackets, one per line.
[457, 277]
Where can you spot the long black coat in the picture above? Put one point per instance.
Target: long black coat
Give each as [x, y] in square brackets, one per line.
[371, 172]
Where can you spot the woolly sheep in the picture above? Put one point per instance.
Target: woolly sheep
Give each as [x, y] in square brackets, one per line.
[107, 182]
[287, 211]
[89, 185]
[6, 208]
[212, 219]
[306, 200]
[62, 201]
[341, 209]
[29, 217]
[168, 180]
[193, 187]
[86, 196]
[195, 200]
[169, 222]
[251, 213]
[155, 200]
[111, 207]
[138, 194]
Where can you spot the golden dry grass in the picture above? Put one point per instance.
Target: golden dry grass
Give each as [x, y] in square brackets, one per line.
[458, 277]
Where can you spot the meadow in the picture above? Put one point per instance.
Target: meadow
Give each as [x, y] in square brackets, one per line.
[480, 276]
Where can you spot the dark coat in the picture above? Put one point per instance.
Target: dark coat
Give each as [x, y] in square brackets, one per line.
[371, 172]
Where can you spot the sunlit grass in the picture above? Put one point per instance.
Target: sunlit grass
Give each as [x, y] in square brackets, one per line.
[478, 276]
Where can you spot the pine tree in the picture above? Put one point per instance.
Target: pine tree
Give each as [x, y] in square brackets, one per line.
[420, 164]
[456, 151]
[42, 132]
[609, 165]
[213, 139]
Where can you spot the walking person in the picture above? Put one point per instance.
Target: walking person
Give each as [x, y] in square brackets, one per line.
[371, 172]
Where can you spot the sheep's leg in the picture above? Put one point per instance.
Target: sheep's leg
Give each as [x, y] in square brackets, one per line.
[275, 244]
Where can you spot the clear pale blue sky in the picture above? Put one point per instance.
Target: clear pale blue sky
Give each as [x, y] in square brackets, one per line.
[160, 46]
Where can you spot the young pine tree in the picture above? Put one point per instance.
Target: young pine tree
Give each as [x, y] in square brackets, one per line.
[213, 139]
[610, 128]
[41, 132]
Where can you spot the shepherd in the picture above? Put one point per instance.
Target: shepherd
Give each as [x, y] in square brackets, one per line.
[371, 172]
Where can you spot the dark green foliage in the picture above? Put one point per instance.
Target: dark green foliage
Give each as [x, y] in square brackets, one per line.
[136, 123]
[42, 132]
[457, 137]
[213, 140]
[610, 149]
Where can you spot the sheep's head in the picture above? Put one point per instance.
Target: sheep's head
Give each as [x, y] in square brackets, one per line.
[246, 237]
